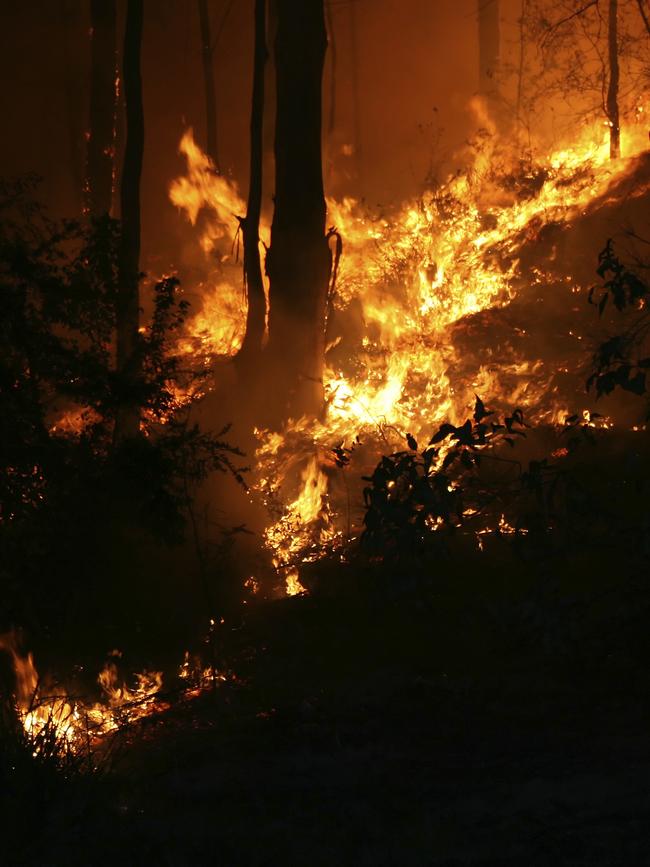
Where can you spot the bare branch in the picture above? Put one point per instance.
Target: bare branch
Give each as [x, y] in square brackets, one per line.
[570, 17]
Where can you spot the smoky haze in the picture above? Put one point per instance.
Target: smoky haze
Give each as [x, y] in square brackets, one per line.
[398, 80]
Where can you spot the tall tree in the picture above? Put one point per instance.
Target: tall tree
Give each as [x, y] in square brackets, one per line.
[208, 83]
[128, 302]
[611, 106]
[592, 56]
[103, 95]
[298, 262]
[488, 51]
[256, 316]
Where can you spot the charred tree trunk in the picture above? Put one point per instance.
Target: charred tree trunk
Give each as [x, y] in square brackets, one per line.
[208, 82]
[256, 316]
[128, 304]
[612, 88]
[298, 262]
[101, 130]
[488, 52]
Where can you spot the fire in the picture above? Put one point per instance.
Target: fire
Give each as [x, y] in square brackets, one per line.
[304, 526]
[52, 714]
[218, 327]
[411, 281]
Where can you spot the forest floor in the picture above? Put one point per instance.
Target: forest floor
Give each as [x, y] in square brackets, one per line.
[421, 727]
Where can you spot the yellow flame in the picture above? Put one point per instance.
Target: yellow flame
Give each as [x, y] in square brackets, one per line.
[407, 279]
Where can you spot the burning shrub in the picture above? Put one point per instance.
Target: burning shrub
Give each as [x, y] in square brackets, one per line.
[464, 483]
[418, 498]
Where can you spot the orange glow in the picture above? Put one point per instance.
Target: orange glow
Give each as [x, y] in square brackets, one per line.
[50, 715]
[414, 278]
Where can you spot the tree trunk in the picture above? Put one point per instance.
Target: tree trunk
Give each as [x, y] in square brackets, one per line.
[208, 82]
[256, 316]
[298, 262]
[612, 88]
[128, 305]
[101, 129]
[488, 51]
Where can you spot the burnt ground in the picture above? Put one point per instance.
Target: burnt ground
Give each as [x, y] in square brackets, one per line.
[401, 725]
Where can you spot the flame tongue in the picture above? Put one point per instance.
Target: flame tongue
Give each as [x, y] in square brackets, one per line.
[56, 717]
[412, 288]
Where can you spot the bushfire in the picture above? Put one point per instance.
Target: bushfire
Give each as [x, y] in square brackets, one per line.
[415, 283]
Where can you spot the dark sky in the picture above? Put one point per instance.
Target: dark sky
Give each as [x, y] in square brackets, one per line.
[413, 56]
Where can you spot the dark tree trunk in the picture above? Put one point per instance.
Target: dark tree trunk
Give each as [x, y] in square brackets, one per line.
[256, 316]
[612, 87]
[298, 262]
[128, 304]
[101, 131]
[208, 83]
[488, 52]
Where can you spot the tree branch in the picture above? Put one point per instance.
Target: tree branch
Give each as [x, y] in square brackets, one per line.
[645, 15]
[570, 17]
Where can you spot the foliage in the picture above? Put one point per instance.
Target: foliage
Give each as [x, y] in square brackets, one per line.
[65, 488]
[413, 494]
[462, 481]
[622, 360]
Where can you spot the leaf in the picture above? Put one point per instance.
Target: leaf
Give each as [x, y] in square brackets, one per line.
[480, 412]
[464, 434]
[443, 432]
[449, 459]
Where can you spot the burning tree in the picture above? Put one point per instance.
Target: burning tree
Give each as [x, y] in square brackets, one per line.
[251, 347]
[591, 56]
[298, 261]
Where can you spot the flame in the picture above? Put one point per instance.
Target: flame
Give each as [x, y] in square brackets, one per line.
[45, 712]
[50, 716]
[411, 281]
[219, 326]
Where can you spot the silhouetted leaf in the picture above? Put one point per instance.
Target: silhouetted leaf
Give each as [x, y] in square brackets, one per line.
[480, 412]
[443, 432]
